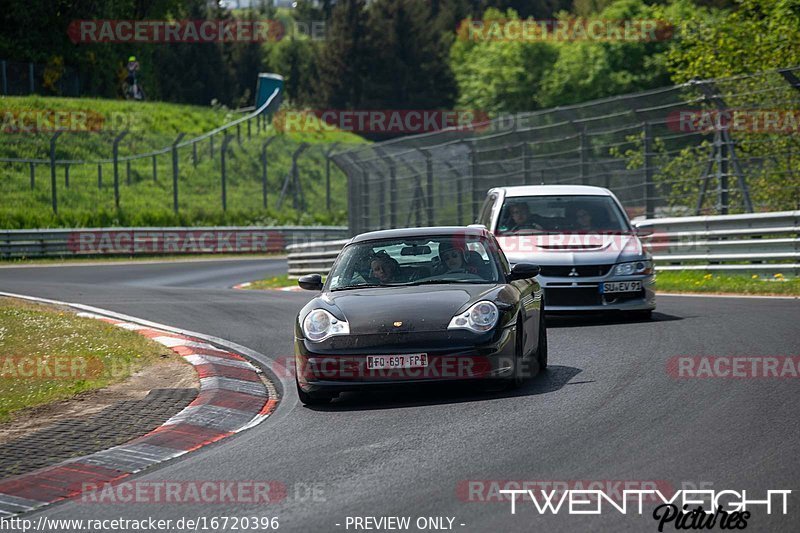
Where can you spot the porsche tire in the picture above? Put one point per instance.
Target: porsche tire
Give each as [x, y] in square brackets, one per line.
[541, 347]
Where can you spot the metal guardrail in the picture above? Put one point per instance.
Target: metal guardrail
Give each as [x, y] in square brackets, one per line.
[744, 243]
[86, 242]
[751, 242]
[313, 257]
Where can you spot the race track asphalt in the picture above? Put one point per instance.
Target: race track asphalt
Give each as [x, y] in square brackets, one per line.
[607, 409]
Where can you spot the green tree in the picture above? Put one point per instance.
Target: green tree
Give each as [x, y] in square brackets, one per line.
[499, 76]
[758, 35]
[408, 62]
[343, 63]
[586, 70]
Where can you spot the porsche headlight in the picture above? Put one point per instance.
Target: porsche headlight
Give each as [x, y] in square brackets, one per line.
[480, 317]
[320, 324]
[634, 267]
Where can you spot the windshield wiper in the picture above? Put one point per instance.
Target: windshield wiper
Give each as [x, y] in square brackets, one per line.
[364, 286]
[447, 281]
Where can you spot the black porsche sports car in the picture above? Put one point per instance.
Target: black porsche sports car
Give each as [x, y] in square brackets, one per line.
[405, 306]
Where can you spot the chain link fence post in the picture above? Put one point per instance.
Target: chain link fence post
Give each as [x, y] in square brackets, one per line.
[175, 172]
[649, 186]
[264, 170]
[115, 156]
[224, 178]
[328, 154]
[53, 184]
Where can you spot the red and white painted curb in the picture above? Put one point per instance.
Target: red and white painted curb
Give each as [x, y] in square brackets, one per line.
[232, 398]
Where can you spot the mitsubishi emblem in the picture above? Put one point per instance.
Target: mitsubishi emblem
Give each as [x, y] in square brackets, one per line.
[573, 272]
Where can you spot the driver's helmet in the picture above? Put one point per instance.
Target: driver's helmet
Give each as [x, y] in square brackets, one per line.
[132, 59]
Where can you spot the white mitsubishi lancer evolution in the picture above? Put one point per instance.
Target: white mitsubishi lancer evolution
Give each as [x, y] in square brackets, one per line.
[591, 258]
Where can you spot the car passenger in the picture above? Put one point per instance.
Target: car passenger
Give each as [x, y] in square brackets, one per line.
[521, 218]
[580, 219]
[383, 268]
[452, 258]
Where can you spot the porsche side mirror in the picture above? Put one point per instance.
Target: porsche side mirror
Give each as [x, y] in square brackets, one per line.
[642, 232]
[310, 282]
[523, 271]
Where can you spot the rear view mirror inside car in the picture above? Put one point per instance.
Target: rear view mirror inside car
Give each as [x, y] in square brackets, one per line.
[416, 250]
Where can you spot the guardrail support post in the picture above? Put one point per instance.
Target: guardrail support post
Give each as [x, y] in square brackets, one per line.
[194, 153]
[115, 153]
[53, 185]
[33, 176]
[649, 186]
[328, 176]
[175, 172]
[66, 176]
[249, 129]
[99, 176]
[155, 169]
[222, 153]
[239, 134]
[128, 172]
[211, 145]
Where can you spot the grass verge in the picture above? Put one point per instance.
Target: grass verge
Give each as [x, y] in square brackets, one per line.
[85, 192]
[47, 354]
[275, 282]
[703, 282]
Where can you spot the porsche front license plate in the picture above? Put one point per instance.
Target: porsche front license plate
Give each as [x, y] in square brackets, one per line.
[620, 286]
[377, 362]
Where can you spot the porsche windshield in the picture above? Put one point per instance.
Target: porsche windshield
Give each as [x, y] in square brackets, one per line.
[429, 260]
[561, 214]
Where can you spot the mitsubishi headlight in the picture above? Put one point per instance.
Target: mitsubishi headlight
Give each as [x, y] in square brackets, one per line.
[634, 267]
[480, 317]
[320, 324]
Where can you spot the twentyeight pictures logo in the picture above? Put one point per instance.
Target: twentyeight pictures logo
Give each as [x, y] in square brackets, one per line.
[685, 509]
